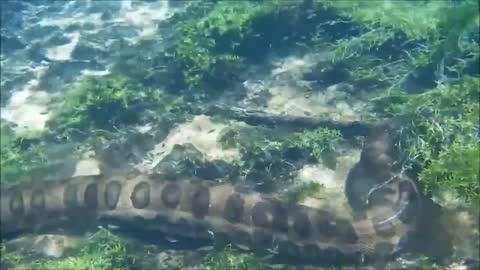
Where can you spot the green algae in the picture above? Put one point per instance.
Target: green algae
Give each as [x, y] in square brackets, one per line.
[403, 57]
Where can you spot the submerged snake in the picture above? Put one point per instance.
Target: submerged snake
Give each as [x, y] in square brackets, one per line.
[200, 209]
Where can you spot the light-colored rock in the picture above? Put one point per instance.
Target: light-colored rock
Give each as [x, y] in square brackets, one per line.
[332, 181]
[64, 52]
[290, 94]
[54, 245]
[27, 107]
[87, 167]
[48, 245]
[202, 133]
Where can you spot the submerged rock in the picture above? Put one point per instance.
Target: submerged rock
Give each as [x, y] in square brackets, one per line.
[87, 167]
[178, 259]
[47, 245]
[182, 159]
[186, 160]
[202, 133]
[332, 181]
[54, 245]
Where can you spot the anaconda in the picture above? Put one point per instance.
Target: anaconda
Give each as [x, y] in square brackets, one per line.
[201, 210]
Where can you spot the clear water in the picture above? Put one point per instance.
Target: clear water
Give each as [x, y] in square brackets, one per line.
[168, 99]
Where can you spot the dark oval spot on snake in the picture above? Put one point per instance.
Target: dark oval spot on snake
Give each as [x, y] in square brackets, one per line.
[140, 196]
[201, 202]
[302, 225]
[234, 207]
[37, 201]
[262, 214]
[112, 194]
[280, 217]
[70, 196]
[171, 195]
[16, 203]
[91, 195]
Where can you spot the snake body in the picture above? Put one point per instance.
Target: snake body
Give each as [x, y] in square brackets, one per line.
[200, 209]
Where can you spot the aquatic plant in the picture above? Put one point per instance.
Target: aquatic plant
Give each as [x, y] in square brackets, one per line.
[263, 161]
[186, 161]
[155, 67]
[229, 259]
[102, 105]
[271, 158]
[440, 134]
[20, 154]
[10, 259]
[98, 103]
[211, 52]
[99, 111]
[196, 54]
[102, 251]
[394, 14]
[381, 47]
[395, 48]
[397, 52]
[318, 143]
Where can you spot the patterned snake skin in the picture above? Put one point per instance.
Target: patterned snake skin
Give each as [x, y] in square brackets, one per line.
[201, 210]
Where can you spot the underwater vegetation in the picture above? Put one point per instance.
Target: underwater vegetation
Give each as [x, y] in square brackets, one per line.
[104, 250]
[419, 70]
[101, 250]
[85, 117]
[21, 154]
[270, 159]
[440, 135]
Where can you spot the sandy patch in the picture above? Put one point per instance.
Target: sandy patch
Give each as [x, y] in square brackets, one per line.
[333, 181]
[68, 20]
[329, 102]
[87, 167]
[292, 95]
[202, 133]
[144, 18]
[48, 245]
[28, 107]
[64, 52]
[294, 64]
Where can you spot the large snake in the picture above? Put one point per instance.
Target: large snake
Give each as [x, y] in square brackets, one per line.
[200, 209]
